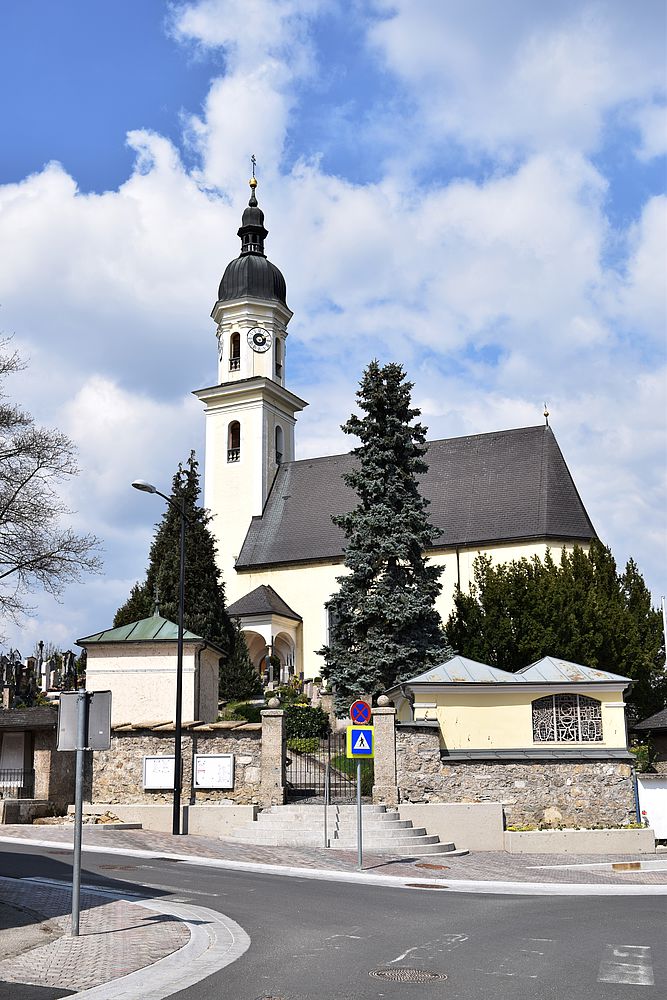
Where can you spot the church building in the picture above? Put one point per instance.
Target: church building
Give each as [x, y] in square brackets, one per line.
[504, 494]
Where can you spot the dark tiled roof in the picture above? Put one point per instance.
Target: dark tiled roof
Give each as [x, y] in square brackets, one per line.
[262, 601]
[654, 722]
[485, 488]
[39, 717]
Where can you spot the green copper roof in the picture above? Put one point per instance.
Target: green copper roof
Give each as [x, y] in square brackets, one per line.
[146, 630]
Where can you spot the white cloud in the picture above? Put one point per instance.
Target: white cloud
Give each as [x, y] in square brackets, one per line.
[496, 293]
[506, 76]
[651, 120]
[642, 293]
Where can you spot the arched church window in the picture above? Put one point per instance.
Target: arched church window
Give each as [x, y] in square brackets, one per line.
[279, 358]
[566, 718]
[235, 352]
[234, 442]
[280, 444]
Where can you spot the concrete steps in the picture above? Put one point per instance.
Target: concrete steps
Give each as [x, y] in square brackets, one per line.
[299, 825]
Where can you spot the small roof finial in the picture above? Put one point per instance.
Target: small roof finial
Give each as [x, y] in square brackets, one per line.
[546, 415]
[156, 598]
[253, 181]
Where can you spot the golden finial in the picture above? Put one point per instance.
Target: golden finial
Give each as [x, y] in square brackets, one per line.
[253, 180]
[546, 414]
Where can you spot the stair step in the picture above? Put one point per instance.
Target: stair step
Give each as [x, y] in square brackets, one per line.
[304, 823]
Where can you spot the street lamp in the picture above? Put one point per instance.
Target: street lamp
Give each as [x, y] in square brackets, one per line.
[141, 484]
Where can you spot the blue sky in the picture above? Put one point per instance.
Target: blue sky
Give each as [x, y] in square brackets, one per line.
[474, 189]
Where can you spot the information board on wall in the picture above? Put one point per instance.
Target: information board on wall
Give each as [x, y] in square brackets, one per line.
[159, 773]
[214, 770]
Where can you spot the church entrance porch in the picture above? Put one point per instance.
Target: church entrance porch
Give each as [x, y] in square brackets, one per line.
[272, 633]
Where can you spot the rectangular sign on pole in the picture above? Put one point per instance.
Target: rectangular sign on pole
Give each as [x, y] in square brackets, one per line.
[98, 720]
[360, 742]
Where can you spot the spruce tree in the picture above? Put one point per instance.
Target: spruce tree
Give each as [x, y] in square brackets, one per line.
[383, 624]
[239, 678]
[204, 609]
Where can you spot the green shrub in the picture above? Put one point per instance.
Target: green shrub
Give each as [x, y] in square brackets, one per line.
[304, 744]
[249, 712]
[349, 767]
[302, 721]
[645, 756]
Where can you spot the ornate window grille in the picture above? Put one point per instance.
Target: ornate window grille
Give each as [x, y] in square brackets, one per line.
[567, 718]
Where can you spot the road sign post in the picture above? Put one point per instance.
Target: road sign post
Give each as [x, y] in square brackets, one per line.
[84, 723]
[360, 745]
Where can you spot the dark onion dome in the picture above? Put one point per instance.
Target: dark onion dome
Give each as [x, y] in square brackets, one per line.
[251, 274]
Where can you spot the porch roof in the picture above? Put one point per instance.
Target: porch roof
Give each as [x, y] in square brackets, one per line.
[263, 600]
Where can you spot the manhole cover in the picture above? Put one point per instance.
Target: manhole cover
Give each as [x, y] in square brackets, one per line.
[119, 868]
[409, 975]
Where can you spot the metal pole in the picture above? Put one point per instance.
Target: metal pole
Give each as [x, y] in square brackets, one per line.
[326, 804]
[176, 818]
[81, 706]
[359, 848]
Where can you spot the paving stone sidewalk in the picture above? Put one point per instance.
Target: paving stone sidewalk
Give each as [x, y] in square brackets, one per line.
[478, 866]
[116, 937]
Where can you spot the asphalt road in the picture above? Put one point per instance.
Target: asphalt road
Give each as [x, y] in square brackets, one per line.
[313, 939]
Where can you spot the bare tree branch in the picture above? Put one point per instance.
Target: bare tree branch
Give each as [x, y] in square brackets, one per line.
[37, 552]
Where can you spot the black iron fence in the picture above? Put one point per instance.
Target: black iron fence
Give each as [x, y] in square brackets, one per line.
[17, 784]
[310, 760]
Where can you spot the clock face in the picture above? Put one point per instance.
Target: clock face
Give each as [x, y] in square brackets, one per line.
[259, 339]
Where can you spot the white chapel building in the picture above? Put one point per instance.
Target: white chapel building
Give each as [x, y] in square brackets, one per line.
[505, 494]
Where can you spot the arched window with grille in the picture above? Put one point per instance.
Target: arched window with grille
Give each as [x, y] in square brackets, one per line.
[235, 352]
[279, 357]
[234, 442]
[567, 718]
[280, 444]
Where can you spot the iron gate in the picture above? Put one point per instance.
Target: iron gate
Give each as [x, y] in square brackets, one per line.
[306, 770]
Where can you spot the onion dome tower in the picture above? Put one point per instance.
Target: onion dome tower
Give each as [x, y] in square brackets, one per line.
[250, 414]
[251, 274]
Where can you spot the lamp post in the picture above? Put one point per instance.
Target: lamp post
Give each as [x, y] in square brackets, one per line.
[141, 484]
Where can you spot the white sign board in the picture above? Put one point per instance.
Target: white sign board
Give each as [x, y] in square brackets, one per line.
[159, 773]
[214, 770]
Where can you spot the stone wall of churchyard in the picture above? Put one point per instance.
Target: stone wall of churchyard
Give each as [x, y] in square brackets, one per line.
[117, 773]
[572, 793]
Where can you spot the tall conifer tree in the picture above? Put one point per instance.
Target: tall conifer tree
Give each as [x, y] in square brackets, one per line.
[204, 611]
[383, 624]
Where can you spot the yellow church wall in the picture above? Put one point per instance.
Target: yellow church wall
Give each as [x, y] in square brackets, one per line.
[458, 567]
[502, 718]
[307, 587]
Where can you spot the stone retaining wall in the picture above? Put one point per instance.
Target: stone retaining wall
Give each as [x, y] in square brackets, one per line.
[118, 772]
[574, 793]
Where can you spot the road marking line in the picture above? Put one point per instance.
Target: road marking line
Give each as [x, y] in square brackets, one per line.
[627, 963]
[523, 961]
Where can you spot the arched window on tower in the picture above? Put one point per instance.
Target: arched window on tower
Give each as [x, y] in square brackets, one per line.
[279, 357]
[235, 352]
[280, 444]
[234, 441]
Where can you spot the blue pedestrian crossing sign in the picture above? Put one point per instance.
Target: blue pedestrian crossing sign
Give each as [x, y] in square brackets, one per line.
[360, 741]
